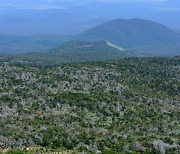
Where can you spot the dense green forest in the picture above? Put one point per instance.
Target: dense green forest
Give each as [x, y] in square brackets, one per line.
[131, 105]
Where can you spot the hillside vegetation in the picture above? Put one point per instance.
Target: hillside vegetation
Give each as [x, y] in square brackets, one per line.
[76, 51]
[124, 106]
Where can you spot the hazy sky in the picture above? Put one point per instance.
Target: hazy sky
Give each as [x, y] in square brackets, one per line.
[154, 5]
[73, 16]
[15, 3]
[161, 5]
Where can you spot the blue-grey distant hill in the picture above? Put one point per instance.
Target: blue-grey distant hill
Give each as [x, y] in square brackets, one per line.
[144, 36]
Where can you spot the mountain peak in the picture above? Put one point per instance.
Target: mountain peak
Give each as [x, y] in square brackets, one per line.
[129, 33]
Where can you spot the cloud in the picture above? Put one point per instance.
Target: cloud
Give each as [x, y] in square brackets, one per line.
[111, 1]
[6, 6]
[49, 4]
[167, 9]
[41, 7]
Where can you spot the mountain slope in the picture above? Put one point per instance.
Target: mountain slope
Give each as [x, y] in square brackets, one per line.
[130, 33]
[88, 46]
[77, 51]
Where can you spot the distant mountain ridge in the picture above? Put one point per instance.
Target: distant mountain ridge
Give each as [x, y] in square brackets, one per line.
[131, 33]
[112, 40]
